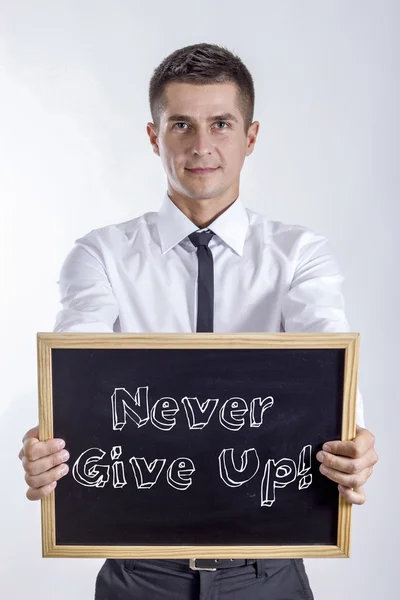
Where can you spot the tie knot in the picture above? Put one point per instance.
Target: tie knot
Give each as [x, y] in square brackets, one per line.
[201, 238]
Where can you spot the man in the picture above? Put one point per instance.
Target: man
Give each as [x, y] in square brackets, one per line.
[203, 263]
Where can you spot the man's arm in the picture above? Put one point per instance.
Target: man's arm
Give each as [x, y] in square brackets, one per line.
[88, 305]
[315, 303]
[87, 299]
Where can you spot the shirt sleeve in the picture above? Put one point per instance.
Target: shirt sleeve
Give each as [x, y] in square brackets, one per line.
[314, 301]
[87, 299]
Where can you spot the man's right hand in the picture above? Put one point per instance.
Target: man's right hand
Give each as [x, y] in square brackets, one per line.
[43, 462]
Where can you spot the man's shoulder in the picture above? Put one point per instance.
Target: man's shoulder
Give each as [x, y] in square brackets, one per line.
[122, 231]
[274, 230]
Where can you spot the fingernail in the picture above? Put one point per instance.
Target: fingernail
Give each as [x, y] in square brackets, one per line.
[326, 448]
[64, 469]
[323, 469]
[64, 455]
[60, 444]
[320, 456]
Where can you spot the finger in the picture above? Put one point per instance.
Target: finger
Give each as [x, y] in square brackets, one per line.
[34, 433]
[356, 496]
[36, 467]
[355, 448]
[38, 494]
[37, 481]
[348, 465]
[351, 481]
[33, 449]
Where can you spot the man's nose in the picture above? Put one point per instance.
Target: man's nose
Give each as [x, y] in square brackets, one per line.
[202, 143]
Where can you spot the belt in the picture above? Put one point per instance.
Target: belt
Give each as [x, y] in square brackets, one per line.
[212, 564]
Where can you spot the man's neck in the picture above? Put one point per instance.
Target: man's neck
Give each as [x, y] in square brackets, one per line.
[202, 212]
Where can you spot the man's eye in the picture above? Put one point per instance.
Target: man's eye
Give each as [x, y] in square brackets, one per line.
[219, 122]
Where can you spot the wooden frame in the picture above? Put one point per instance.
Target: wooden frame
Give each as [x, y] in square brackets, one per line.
[47, 341]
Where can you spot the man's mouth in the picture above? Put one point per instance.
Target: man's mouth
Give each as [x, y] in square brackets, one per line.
[198, 171]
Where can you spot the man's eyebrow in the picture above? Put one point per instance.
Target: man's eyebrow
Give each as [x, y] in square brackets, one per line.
[224, 117]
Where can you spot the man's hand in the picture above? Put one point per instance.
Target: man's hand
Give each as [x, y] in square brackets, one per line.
[350, 464]
[43, 463]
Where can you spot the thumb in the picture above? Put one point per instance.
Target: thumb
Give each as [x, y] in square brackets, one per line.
[32, 433]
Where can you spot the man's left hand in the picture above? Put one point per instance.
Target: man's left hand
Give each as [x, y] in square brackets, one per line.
[350, 464]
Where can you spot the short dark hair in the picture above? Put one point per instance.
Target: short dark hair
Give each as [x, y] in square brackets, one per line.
[201, 64]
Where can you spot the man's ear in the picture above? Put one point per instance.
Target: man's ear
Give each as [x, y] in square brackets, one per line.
[153, 135]
[252, 137]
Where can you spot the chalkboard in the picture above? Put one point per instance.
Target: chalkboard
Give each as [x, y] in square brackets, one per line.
[196, 445]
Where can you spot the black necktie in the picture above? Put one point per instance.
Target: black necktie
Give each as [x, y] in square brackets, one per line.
[205, 280]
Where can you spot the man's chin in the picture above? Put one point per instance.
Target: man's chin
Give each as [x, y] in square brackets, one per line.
[200, 192]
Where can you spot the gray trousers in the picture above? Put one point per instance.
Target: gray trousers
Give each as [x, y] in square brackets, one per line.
[272, 579]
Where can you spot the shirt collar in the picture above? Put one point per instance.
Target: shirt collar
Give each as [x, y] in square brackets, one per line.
[231, 226]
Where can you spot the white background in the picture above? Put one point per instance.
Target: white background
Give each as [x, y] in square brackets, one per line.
[74, 155]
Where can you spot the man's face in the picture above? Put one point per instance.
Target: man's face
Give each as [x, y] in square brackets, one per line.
[202, 128]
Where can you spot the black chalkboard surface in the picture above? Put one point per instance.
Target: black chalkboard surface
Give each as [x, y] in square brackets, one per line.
[197, 444]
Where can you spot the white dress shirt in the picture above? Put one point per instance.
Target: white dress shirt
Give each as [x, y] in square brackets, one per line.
[141, 276]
